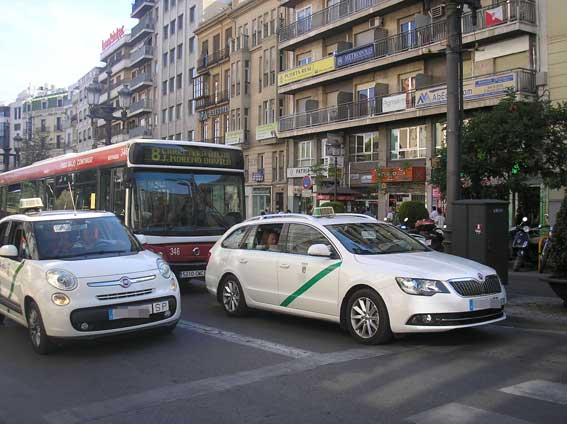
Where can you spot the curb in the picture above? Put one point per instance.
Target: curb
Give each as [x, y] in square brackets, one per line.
[537, 312]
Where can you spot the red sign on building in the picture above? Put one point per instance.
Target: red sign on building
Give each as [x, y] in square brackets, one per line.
[115, 35]
[399, 175]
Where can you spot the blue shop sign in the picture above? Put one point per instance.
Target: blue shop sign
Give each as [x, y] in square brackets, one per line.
[359, 54]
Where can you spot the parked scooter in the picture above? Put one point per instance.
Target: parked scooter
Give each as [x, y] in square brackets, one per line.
[405, 228]
[520, 246]
[434, 236]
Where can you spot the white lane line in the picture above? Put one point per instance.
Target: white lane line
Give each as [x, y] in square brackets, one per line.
[541, 390]
[186, 391]
[245, 340]
[456, 413]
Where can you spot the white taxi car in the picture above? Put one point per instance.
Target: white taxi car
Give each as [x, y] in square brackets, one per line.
[370, 277]
[67, 275]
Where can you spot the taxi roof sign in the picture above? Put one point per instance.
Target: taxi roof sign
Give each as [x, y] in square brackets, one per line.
[323, 211]
[31, 203]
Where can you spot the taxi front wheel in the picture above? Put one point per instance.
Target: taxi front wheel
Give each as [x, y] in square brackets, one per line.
[367, 318]
[38, 337]
[232, 297]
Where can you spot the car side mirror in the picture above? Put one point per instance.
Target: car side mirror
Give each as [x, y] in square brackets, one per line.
[9, 251]
[142, 239]
[319, 250]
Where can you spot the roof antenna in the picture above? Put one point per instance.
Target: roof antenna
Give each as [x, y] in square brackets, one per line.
[72, 197]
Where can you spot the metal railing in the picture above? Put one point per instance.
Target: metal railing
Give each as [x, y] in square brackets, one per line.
[214, 140]
[140, 132]
[136, 5]
[140, 79]
[373, 107]
[141, 52]
[217, 56]
[212, 99]
[239, 43]
[144, 24]
[140, 105]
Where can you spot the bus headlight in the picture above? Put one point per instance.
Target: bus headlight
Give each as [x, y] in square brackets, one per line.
[61, 279]
[163, 268]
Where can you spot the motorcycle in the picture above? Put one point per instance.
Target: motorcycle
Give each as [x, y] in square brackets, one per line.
[434, 236]
[520, 246]
[405, 228]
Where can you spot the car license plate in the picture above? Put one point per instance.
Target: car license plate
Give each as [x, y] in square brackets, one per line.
[138, 311]
[484, 303]
[160, 307]
[192, 274]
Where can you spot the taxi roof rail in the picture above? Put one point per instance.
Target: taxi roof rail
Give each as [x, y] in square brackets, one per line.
[357, 215]
[280, 215]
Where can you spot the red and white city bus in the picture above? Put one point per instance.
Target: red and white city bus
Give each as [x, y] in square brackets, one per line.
[182, 196]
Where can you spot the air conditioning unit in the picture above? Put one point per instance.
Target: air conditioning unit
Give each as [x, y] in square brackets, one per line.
[375, 22]
[437, 11]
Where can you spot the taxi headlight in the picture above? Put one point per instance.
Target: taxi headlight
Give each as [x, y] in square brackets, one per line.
[163, 268]
[61, 279]
[420, 286]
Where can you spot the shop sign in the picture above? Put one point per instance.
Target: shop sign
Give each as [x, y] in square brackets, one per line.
[352, 56]
[298, 172]
[472, 89]
[307, 71]
[397, 175]
[258, 176]
[267, 131]
[366, 179]
[115, 35]
[306, 193]
[354, 176]
[393, 103]
[342, 197]
[233, 137]
[204, 114]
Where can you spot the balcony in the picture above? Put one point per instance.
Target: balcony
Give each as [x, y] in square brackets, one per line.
[141, 54]
[141, 80]
[239, 43]
[214, 140]
[143, 28]
[140, 7]
[212, 100]
[479, 92]
[114, 88]
[140, 132]
[141, 106]
[215, 57]
[519, 15]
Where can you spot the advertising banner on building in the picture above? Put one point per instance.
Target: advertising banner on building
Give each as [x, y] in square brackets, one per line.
[267, 131]
[233, 137]
[399, 175]
[307, 71]
[352, 56]
[472, 89]
[393, 103]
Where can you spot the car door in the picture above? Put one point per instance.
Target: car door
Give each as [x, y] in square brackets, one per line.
[256, 263]
[4, 266]
[308, 283]
[11, 296]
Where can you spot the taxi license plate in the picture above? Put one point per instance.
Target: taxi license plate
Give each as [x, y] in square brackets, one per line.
[484, 303]
[138, 311]
[192, 274]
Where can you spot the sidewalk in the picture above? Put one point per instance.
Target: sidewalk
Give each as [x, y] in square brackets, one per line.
[532, 303]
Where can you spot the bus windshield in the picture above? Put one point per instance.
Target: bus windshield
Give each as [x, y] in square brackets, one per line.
[185, 203]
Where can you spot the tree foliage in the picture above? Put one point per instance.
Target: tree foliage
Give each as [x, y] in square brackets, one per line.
[33, 150]
[337, 206]
[503, 148]
[413, 211]
[558, 253]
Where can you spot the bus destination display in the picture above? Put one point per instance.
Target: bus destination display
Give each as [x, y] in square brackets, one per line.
[177, 155]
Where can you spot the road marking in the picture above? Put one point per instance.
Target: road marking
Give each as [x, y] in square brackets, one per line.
[185, 391]
[245, 340]
[541, 390]
[456, 413]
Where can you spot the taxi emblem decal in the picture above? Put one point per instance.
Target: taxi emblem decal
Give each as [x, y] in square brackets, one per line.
[310, 283]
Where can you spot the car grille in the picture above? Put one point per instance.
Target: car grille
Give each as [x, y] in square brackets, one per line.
[468, 288]
[124, 295]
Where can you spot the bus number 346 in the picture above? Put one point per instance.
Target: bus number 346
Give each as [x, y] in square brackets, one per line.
[175, 251]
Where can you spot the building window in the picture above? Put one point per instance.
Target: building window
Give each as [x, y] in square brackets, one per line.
[165, 59]
[303, 19]
[166, 5]
[165, 32]
[190, 135]
[171, 84]
[205, 130]
[192, 14]
[172, 3]
[363, 147]
[281, 173]
[172, 27]
[304, 156]
[172, 56]
[163, 116]
[170, 114]
[304, 59]
[191, 44]
[180, 51]
[180, 22]
[164, 88]
[216, 130]
[191, 107]
[408, 143]
[265, 119]
[178, 111]
[179, 81]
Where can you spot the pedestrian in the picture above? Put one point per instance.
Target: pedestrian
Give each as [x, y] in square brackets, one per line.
[434, 214]
[390, 214]
[440, 220]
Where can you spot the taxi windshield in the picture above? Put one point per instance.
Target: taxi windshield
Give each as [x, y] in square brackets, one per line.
[374, 239]
[86, 237]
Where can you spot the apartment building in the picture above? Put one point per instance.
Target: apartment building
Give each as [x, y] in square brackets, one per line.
[236, 95]
[5, 138]
[370, 75]
[175, 62]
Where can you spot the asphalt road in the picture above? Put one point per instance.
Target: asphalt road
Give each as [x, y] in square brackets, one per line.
[269, 368]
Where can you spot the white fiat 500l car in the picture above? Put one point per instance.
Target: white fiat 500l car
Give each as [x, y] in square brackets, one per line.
[368, 276]
[67, 275]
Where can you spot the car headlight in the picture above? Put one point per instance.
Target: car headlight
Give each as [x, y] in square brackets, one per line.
[420, 286]
[61, 279]
[163, 268]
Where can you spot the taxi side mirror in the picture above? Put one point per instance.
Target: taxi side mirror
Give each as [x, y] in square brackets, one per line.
[9, 251]
[319, 250]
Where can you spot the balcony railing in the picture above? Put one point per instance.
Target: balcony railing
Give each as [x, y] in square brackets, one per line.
[524, 82]
[140, 132]
[214, 140]
[143, 25]
[140, 105]
[239, 43]
[213, 99]
[140, 79]
[217, 56]
[137, 6]
[141, 53]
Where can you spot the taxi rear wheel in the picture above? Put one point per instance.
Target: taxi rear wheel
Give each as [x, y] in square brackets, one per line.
[232, 297]
[36, 330]
[367, 318]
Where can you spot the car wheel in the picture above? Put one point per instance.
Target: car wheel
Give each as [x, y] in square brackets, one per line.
[367, 318]
[232, 297]
[38, 337]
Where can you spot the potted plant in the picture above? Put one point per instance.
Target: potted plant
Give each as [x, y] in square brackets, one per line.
[558, 254]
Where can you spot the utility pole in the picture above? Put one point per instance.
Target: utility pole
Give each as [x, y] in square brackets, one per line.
[455, 105]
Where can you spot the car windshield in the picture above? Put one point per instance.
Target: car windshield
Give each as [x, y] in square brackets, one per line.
[73, 238]
[374, 239]
[185, 204]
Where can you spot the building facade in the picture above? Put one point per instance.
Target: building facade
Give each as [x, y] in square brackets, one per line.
[5, 138]
[370, 76]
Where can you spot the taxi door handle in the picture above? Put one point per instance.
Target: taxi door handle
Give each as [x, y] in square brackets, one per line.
[243, 261]
[284, 266]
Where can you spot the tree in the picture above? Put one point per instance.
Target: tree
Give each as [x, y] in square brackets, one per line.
[33, 150]
[413, 211]
[502, 148]
[337, 206]
[558, 253]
